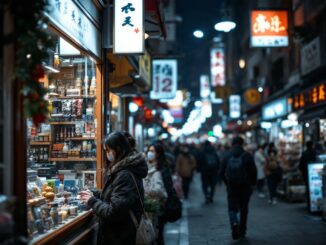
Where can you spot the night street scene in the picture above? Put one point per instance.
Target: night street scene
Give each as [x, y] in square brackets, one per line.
[163, 122]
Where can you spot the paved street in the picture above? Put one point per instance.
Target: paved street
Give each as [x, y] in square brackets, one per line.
[284, 223]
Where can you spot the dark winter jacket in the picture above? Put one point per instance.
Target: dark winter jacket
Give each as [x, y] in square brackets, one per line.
[203, 165]
[248, 160]
[307, 156]
[119, 195]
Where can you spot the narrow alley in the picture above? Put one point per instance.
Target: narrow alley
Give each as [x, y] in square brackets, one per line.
[283, 223]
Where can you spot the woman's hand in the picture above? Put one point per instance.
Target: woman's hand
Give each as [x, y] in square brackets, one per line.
[85, 196]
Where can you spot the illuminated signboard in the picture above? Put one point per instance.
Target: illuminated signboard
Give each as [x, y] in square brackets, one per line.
[165, 79]
[275, 109]
[217, 67]
[269, 28]
[235, 106]
[128, 27]
[205, 88]
[310, 97]
[315, 186]
[67, 16]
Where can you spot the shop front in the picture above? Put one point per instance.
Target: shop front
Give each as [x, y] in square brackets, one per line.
[284, 130]
[64, 154]
[310, 103]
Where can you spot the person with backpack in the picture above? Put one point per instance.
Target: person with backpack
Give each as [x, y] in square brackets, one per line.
[172, 207]
[239, 173]
[209, 164]
[185, 166]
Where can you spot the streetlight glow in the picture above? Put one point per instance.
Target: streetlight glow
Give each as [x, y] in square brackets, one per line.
[225, 26]
[198, 34]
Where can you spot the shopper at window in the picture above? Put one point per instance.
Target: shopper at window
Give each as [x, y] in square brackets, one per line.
[271, 168]
[260, 163]
[119, 194]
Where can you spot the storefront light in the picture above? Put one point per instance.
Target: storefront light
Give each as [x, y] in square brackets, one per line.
[198, 103]
[242, 63]
[307, 125]
[133, 107]
[239, 122]
[266, 125]
[293, 117]
[249, 123]
[260, 89]
[151, 132]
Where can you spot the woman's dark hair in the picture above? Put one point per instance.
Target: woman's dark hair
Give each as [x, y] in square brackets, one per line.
[119, 143]
[131, 139]
[160, 154]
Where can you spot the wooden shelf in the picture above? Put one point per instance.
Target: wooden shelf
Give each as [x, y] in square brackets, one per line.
[73, 97]
[80, 138]
[72, 159]
[54, 236]
[63, 123]
[39, 143]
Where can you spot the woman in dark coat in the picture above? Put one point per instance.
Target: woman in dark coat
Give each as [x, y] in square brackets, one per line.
[119, 194]
[161, 164]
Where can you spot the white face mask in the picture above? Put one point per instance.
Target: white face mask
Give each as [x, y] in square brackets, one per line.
[110, 157]
[150, 156]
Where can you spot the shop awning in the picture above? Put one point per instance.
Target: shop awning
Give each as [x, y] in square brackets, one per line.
[154, 18]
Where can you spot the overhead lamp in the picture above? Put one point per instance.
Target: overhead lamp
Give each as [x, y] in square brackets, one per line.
[242, 63]
[226, 23]
[198, 34]
[133, 107]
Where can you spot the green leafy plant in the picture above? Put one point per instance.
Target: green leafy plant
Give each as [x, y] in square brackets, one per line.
[31, 42]
[151, 205]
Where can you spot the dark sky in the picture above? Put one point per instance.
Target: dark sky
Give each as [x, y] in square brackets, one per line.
[196, 14]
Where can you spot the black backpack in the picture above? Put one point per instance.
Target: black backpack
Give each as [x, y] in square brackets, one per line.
[211, 160]
[236, 172]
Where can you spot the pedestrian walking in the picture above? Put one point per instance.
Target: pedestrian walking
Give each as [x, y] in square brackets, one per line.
[260, 163]
[159, 160]
[273, 174]
[239, 173]
[119, 194]
[209, 168]
[308, 156]
[185, 165]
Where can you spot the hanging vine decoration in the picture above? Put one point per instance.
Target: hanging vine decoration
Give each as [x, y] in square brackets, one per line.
[32, 43]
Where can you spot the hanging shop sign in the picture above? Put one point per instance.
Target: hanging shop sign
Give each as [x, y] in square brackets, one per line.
[310, 97]
[269, 28]
[252, 96]
[235, 106]
[68, 17]
[275, 109]
[128, 36]
[145, 67]
[223, 92]
[217, 67]
[165, 78]
[205, 88]
[310, 57]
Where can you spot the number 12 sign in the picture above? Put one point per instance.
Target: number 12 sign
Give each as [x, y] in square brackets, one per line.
[164, 79]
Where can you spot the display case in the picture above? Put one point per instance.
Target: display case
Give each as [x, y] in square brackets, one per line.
[64, 154]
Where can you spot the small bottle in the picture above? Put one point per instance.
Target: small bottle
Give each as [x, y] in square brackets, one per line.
[61, 134]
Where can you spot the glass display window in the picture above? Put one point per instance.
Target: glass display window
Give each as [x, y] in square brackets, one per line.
[62, 153]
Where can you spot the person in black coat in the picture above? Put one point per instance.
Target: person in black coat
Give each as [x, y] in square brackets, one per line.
[308, 156]
[208, 166]
[119, 194]
[238, 194]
